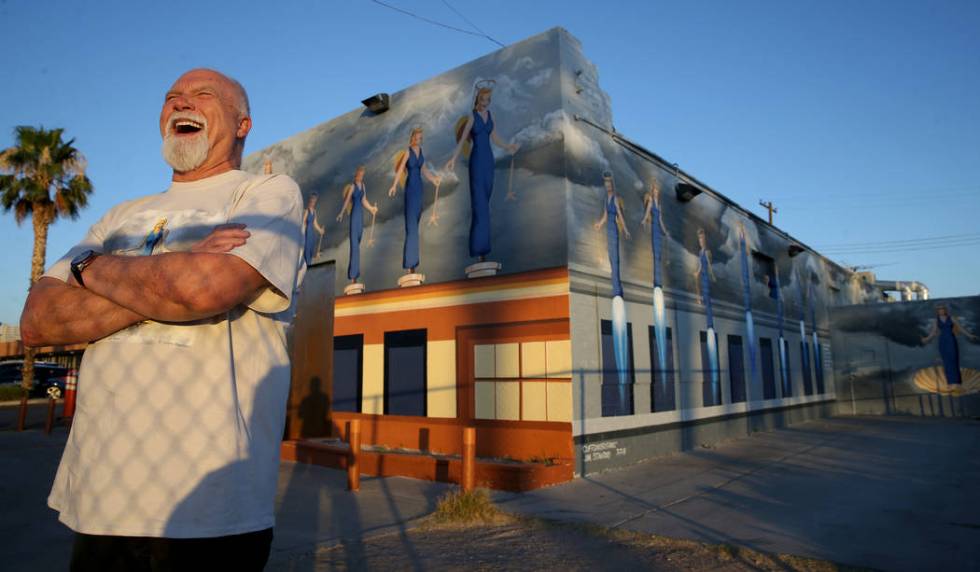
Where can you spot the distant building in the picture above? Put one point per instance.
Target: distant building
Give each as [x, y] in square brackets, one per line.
[9, 333]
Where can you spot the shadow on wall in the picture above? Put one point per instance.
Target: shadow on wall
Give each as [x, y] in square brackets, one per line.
[910, 358]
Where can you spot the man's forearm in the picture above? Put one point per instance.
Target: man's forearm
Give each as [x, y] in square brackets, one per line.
[57, 314]
[176, 286]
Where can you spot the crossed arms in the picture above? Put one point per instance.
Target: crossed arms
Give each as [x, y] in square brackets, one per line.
[121, 291]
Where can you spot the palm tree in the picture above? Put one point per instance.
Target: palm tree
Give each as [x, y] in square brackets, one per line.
[41, 177]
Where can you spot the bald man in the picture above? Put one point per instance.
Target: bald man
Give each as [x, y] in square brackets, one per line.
[172, 461]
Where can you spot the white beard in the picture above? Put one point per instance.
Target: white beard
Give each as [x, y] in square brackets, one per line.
[185, 153]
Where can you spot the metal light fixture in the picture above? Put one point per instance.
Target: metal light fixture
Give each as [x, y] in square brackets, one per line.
[795, 249]
[686, 191]
[377, 103]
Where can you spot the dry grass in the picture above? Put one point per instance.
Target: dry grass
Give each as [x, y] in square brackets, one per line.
[466, 508]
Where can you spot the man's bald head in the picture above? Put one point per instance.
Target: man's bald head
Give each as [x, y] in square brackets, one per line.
[205, 112]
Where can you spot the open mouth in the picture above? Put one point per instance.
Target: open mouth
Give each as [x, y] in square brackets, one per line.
[185, 126]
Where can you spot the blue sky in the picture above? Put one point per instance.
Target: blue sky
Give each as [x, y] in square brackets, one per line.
[860, 120]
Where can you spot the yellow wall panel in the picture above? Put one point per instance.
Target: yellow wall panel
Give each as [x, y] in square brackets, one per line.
[534, 394]
[507, 360]
[483, 361]
[559, 401]
[559, 356]
[509, 400]
[485, 400]
[441, 382]
[533, 360]
[373, 390]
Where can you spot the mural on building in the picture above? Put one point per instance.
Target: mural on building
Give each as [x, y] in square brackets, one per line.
[312, 231]
[476, 132]
[946, 328]
[704, 275]
[901, 357]
[743, 250]
[817, 354]
[410, 167]
[355, 202]
[653, 217]
[614, 220]
[784, 378]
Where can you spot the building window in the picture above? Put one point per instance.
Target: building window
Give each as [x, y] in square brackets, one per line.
[768, 375]
[805, 366]
[764, 268]
[405, 371]
[736, 368]
[523, 381]
[617, 398]
[348, 368]
[710, 374]
[662, 390]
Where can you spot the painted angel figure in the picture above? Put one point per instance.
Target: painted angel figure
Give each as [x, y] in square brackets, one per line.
[653, 217]
[946, 327]
[615, 220]
[311, 224]
[703, 274]
[479, 131]
[355, 202]
[155, 236]
[411, 163]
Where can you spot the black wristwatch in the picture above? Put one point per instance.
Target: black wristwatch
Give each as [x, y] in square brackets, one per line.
[80, 263]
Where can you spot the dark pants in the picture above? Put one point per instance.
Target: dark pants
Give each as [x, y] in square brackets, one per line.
[239, 552]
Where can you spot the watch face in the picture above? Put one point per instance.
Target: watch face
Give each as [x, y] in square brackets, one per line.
[81, 258]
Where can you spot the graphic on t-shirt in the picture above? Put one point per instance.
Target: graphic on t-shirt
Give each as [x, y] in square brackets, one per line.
[155, 235]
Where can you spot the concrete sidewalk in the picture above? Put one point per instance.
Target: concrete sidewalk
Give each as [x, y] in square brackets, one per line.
[312, 508]
[890, 493]
[894, 493]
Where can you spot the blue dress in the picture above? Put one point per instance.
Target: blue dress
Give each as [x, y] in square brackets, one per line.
[356, 229]
[413, 208]
[950, 351]
[612, 244]
[481, 184]
[706, 287]
[656, 240]
[309, 248]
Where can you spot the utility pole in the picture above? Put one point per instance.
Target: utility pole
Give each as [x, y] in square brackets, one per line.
[770, 207]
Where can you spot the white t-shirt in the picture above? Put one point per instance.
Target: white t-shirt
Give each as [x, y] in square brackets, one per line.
[178, 425]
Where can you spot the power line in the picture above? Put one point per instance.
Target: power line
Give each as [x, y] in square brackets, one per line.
[472, 25]
[907, 241]
[902, 249]
[434, 22]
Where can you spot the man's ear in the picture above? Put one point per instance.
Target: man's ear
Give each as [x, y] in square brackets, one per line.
[244, 126]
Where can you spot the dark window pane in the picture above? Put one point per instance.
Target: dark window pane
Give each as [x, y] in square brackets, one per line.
[347, 372]
[405, 373]
[710, 376]
[736, 368]
[662, 391]
[616, 399]
[768, 375]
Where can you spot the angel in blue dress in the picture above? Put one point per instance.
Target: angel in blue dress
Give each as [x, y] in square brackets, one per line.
[155, 236]
[946, 328]
[409, 169]
[311, 247]
[355, 201]
[478, 131]
[613, 218]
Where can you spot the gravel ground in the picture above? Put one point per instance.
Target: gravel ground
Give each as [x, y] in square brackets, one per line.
[530, 544]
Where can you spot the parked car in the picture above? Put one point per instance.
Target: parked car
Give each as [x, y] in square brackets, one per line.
[46, 375]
